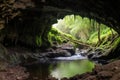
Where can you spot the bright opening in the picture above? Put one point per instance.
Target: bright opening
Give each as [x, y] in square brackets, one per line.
[84, 30]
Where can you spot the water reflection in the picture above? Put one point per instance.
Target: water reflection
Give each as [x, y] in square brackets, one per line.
[59, 69]
[69, 69]
[38, 71]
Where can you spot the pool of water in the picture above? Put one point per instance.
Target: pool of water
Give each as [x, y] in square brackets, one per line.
[59, 69]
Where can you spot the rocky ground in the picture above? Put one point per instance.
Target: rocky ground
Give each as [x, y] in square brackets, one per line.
[110, 71]
[13, 73]
[21, 55]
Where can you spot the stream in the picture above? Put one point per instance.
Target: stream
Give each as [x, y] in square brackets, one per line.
[60, 67]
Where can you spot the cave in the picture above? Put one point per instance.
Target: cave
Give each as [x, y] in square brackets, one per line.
[23, 21]
[28, 22]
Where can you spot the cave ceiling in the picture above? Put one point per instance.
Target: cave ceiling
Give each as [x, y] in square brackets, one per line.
[104, 11]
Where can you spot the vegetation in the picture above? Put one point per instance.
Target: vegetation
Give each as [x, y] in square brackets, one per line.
[54, 36]
[80, 30]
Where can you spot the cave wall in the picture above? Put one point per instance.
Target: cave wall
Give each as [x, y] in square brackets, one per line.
[23, 20]
[25, 28]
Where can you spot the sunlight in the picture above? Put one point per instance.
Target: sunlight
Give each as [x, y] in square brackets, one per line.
[83, 29]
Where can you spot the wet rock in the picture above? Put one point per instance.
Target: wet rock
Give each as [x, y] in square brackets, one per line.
[91, 78]
[71, 51]
[65, 79]
[58, 53]
[68, 47]
[105, 74]
[64, 53]
[90, 56]
[97, 69]
[95, 54]
[116, 77]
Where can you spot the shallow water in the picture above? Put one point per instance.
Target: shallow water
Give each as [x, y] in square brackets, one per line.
[74, 57]
[59, 69]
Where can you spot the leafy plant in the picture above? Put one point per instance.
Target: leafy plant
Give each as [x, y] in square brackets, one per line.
[86, 30]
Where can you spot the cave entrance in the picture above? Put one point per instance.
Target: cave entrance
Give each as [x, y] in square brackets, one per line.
[85, 30]
[94, 37]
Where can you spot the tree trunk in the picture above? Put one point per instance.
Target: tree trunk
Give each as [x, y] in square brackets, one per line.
[98, 26]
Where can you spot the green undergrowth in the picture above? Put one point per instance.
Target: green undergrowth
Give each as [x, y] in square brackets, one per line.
[56, 36]
[106, 36]
[115, 44]
[82, 30]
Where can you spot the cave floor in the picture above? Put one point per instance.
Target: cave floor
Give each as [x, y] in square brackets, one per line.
[110, 71]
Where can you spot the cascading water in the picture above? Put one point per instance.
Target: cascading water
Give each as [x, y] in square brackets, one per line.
[77, 56]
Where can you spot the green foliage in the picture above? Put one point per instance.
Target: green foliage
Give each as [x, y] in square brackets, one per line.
[116, 43]
[84, 29]
[38, 40]
[105, 33]
[77, 29]
[55, 36]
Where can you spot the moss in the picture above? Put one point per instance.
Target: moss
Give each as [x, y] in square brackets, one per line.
[113, 50]
[38, 40]
[115, 44]
[55, 36]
